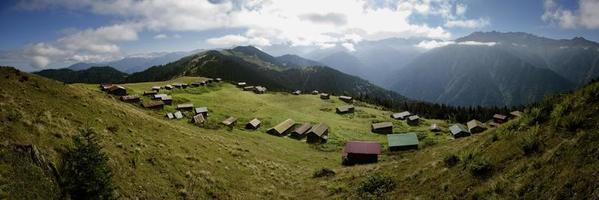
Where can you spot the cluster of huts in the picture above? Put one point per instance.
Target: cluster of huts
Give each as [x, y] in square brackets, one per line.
[354, 152]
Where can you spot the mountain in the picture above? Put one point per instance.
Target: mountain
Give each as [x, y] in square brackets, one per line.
[295, 61]
[137, 63]
[91, 75]
[251, 65]
[576, 59]
[371, 60]
[498, 69]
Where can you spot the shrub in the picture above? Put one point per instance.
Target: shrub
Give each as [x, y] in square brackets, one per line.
[479, 167]
[85, 173]
[375, 186]
[530, 144]
[323, 172]
[451, 160]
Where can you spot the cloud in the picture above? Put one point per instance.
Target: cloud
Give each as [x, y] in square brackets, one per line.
[329, 18]
[586, 16]
[431, 44]
[160, 36]
[349, 46]
[470, 23]
[263, 22]
[229, 40]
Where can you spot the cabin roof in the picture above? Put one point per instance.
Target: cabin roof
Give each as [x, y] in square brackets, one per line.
[254, 122]
[284, 126]
[405, 139]
[457, 128]
[401, 115]
[499, 116]
[303, 128]
[149, 104]
[201, 110]
[319, 129]
[185, 105]
[178, 115]
[345, 108]
[362, 147]
[413, 117]
[229, 121]
[474, 123]
[381, 125]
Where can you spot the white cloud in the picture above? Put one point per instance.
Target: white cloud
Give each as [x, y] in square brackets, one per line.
[431, 44]
[265, 22]
[470, 23]
[475, 43]
[349, 46]
[160, 36]
[586, 16]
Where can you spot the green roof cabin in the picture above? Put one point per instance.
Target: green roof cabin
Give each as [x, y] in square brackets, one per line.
[458, 130]
[404, 141]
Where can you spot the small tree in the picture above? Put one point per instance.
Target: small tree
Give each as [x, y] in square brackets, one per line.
[85, 173]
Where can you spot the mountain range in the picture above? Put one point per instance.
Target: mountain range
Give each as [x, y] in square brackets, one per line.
[137, 63]
[497, 69]
[481, 69]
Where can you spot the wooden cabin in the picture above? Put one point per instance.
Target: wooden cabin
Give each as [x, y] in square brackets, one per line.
[130, 98]
[325, 96]
[499, 118]
[434, 128]
[198, 120]
[345, 109]
[282, 128]
[168, 100]
[241, 84]
[382, 127]
[401, 116]
[318, 134]
[253, 124]
[474, 126]
[300, 131]
[259, 90]
[105, 86]
[314, 92]
[150, 93]
[248, 88]
[516, 114]
[459, 130]
[156, 88]
[346, 99]
[168, 87]
[201, 110]
[153, 104]
[159, 96]
[230, 122]
[170, 115]
[117, 90]
[185, 106]
[360, 152]
[297, 92]
[413, 120]
[178, 115]
[404, 141]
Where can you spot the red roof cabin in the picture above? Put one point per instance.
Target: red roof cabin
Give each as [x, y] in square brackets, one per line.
[361, 152]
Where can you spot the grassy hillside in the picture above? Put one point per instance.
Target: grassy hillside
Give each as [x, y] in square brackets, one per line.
[152, 157]
[549, 153]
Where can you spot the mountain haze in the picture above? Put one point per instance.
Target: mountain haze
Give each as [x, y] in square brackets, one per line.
[136, 63]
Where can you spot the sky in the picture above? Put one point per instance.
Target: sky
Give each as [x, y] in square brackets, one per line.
[42, 34]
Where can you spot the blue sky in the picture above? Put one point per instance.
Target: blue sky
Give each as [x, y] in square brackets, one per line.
[38, 34]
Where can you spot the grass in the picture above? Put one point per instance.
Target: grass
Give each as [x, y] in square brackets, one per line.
[155, 158]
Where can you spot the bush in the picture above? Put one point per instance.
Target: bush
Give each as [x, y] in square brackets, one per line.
[451, 160]
[323, 172]
[85, 173]
[479, 167]
[530, 144]
[375, 186]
